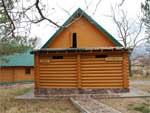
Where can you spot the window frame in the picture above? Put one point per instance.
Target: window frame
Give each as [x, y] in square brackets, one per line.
[27, 71]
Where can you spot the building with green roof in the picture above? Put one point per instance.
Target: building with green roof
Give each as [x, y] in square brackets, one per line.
[18, 67]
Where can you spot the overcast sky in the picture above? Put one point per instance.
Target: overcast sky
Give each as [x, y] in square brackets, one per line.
[45, 30]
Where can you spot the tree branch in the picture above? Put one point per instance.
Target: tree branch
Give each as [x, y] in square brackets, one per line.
[12, 25]
[42, 16]
[96, 6]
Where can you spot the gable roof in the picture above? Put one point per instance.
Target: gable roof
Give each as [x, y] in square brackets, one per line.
[17, 59]
[80, 11]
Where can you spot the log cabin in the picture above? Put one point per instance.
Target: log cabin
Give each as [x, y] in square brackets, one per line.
[81, 57]
[16, 68]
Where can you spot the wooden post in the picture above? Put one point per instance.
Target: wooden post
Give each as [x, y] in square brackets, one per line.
[78, 71]
[36, 70]
[125, 70]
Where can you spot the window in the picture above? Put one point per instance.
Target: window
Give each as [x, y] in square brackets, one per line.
[100, 56]
[57, 57]
[74, 40]
[27, 71]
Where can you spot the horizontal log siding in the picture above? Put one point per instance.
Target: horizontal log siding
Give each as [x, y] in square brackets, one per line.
[82, 71]
[58, 73]
[98, 73]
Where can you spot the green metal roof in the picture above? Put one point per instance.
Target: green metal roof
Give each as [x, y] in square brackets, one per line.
[80, 11]
[17, 59]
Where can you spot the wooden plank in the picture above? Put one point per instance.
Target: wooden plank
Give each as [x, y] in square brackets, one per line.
[102, 84]
[113, 59]
[49, 56]
[100, 62]
[58, 63]
[57, 69]
[101, 69]
[102, 75]
[58, 72]
[58, 75]
[63, 60]
[102, 81]
[58, 66]
[102, 72]
[58, 86]
[92, 59]
[103, 65]
[103, 87]
[58, 81]
[102, 78]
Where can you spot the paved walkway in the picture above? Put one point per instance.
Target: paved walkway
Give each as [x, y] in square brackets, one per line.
[89, 105]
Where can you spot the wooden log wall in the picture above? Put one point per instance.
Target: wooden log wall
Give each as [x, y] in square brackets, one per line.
[58, 73]
[97, 72]
[82, 71]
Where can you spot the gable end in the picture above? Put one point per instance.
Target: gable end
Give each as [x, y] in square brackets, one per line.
[80, 11]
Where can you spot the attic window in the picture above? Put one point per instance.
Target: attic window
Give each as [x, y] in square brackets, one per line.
[100, 56]
[74, 40]
[57, 57]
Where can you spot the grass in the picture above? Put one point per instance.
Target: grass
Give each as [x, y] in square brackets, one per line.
[10, 105]
[142, 107]
[140, 77]
[131, 105]
[144, 87]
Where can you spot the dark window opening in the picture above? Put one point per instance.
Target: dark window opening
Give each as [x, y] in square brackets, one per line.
[27, 71]
[57, 57]
[100, 56]
[74, 40]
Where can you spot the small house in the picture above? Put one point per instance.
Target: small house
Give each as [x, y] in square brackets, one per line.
[18, 67]
[81, 57]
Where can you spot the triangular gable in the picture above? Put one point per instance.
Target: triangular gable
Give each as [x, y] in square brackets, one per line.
[80, 11]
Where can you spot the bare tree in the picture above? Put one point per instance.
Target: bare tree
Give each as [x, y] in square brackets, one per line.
[128, 29]
[22, 16]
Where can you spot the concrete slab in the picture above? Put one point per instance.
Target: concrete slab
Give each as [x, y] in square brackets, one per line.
[89, 105]
[134, 93]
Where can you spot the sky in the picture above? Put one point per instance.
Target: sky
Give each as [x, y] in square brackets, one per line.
[55, 11]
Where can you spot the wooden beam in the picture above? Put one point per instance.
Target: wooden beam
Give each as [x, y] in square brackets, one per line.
[78, 71]
[125, 70]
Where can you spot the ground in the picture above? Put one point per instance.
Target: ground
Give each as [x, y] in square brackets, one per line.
[10, 105]
[132, 105]
[129, 105]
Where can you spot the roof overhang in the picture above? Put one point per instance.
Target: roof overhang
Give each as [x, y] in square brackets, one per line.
[77, 50]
